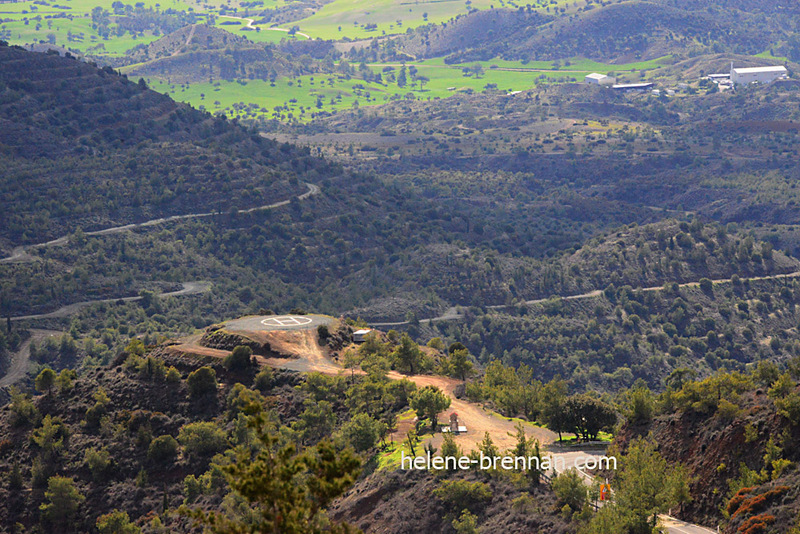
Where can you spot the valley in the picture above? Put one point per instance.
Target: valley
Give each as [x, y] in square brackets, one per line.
[253, 253]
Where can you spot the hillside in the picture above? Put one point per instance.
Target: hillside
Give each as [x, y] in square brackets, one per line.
[145, 435]
[145, 155]
[182, 40]
[740, 447]
[614, 32]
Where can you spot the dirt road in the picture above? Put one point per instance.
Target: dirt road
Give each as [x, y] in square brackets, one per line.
[189, 288]
[20, 360]
[251, 21]
[21, 254]
[453, 313]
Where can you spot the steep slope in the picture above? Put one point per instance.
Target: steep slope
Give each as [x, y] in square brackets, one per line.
[737, 435]
[86, 148]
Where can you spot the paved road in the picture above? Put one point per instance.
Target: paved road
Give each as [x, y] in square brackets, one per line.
[277, 322]
[189, 288]
[676, 526]
[20, 360]
[20, 254]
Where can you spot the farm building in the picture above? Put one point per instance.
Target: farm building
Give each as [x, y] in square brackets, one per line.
[633, 86]
[599, 79]
[758, 74]
[359, 335]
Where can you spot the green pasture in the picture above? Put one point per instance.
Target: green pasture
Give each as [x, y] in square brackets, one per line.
[360, 19]
[300, 97]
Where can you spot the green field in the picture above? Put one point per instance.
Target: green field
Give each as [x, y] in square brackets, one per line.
[68, 23]
[360, 19]
[301, 98]
[298, 98]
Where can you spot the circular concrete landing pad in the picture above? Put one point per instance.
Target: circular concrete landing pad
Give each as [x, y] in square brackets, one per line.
[277, 322]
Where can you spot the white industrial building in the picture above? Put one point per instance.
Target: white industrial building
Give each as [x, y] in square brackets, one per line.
[600, 79]
[761, 75]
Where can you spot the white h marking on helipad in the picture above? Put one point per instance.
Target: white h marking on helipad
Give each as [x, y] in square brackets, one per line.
[286, 320]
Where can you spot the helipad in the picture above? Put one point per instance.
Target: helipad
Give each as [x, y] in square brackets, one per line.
[286, 320]
[277, 322]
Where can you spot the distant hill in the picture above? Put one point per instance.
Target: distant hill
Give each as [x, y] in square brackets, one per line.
[617, 32]
[85, 148]
[202, 53]
[188, 38]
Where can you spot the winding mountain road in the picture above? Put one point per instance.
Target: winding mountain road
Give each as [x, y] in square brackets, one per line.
[20, 360]
[21, 254]
[189, 288]
[454, 314]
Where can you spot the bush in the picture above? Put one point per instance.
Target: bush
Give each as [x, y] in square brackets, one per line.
[263, 380]
[323, 332]
[238, 359]
[461, 495]
[202, 382]
[173, 375]
[163, 449]
[202, 439]
[98, 462]
[466, 524]
[706, 285]
[363, 432]
[23, 409]
[570, 489]
[117, 522]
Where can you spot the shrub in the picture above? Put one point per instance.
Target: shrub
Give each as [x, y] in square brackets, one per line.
[238, 359]
[202, 439]
[466, 524]
[173, 375]
[98, 462]
[706, 286]
[163, 449]
[96, 412]
[153, 369]
[756, 524]
[461, 494]
[241, 398]
[738, 499]
[116, 522]
[263, 380]
[202, 382]
[570, 489]
[363, 432]
[23, 409]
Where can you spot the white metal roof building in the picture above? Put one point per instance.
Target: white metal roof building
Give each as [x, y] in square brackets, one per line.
[758, 74]
[599, 79]
[633, 86]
